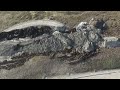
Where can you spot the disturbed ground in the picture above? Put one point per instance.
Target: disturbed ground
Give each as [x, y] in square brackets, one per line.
[42, 66]
[36, 66]
[112, 18]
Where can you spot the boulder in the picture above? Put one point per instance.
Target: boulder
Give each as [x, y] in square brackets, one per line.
[110, 42]
[86, 37]
[81, 26]
[88, 46]
[63, 38]
[98, 23]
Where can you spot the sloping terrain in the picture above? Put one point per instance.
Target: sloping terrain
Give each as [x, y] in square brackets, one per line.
[42, 66]
[71, 18]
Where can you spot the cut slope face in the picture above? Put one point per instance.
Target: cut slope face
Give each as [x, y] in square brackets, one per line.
[32, 29]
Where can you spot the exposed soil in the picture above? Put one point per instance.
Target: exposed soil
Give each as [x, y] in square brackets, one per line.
[43, 66]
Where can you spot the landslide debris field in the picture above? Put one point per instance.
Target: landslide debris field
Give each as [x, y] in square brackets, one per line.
[32, 52]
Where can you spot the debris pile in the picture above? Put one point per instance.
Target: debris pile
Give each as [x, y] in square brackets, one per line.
[44, 37]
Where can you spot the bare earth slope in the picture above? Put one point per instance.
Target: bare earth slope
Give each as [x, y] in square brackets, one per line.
[112, 18]
[42, 67]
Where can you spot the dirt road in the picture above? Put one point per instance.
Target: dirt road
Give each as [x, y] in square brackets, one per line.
[108, 74]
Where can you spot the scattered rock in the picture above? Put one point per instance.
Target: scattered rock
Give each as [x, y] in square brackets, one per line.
[98, 23]
[5, 58]
[88, 47]
[66, 41]
[60, 55]
[86, 38]
[110, 42]
[46, 37]
[81, 26]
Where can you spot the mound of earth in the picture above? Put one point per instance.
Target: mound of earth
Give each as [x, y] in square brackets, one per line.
[36, 38]
[43, 47]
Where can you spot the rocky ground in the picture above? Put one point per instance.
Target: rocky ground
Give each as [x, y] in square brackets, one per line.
[35, 65]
